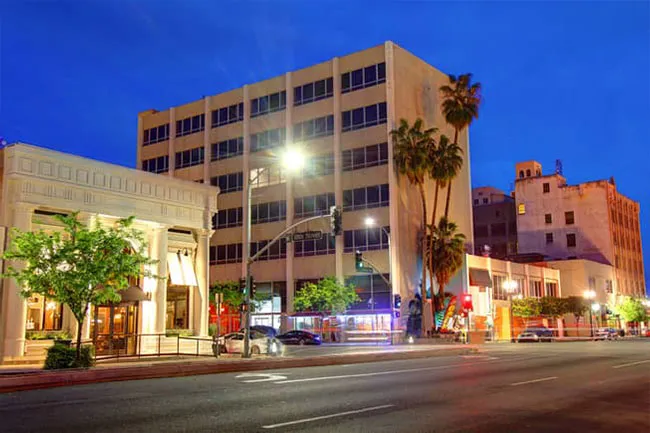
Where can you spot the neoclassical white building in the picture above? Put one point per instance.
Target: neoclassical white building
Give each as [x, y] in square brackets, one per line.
[175, 215]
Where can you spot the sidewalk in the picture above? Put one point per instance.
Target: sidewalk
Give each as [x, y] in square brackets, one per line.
[32, 378]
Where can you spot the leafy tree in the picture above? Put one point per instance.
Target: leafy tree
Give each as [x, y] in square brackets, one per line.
[551, 306]
[448, 250]
[445, 163]
[233, 296]
[577, 306]
[79, 265]
[632, 310]
[327, 296]
[461, 101]
[526, 308]
[412, 150]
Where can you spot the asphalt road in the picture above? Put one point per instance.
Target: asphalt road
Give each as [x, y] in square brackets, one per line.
[548, 387]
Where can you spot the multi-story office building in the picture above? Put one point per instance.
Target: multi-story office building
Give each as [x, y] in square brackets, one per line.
[591, 220]
[495, 223]
[340, 113]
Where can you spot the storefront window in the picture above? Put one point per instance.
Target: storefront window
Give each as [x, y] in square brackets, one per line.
[43, 314]
[177, 308]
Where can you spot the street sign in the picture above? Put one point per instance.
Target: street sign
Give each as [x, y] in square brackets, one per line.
[307, 236]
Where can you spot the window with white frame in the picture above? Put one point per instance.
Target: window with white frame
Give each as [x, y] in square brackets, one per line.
[366, 197]
[319, 165]
[551, 289]
[268, 139]
[155, 134]
[156, 165]
[267, 176]
[227, 148]
[322, 246]
[314, 128]
[367, 156]
[226, 218]
[268, 103]
[367, 239]
[313, 205]
[312, 92]
[226, 115]
[364, 77]
[536, 290]
[364, 117]
[190, 157]
[268, 212]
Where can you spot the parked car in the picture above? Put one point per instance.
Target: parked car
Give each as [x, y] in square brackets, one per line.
[606, 334]
[299, 337]
[259, 344]
[263, 329]
[535, 335]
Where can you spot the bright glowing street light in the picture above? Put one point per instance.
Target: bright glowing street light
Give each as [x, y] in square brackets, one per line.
[589, 294]
[293, 159]
[595, 307]
[369, 221]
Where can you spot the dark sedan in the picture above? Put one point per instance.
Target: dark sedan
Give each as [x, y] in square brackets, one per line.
[299, 337]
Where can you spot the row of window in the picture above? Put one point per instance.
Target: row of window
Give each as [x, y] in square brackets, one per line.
[268, 103]
[229, 182]
[366, 197]
[320, 165]
[227, 115]
[156, 134]
[156, 165]
[226, 218]
[364, 117]
[496, 229]
[227, 148]
[569, 218]
[499, 291]
[312, 92]
[268, 139]
[313, 205]
[364, 77]
[314, 128]
[570, 239]
[190, 125]
[188, 158]
[267, 176]
[268, 212]
[362, 157]
[366, 239]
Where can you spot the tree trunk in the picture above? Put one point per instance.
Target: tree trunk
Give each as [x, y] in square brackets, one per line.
[80, 323]
[433, 224]
[424, 241]
[449, 183]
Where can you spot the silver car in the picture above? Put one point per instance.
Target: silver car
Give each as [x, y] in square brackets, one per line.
[259, 344]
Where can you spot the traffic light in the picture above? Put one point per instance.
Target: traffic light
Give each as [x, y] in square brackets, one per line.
[467, 302]
[398, 302]
[335, 221]
[242, 285]
[358, 260]
[253, 287]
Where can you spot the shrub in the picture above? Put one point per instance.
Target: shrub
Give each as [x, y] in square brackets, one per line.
[47, 335]
[178, 332]
[62, 356]
[212, 329]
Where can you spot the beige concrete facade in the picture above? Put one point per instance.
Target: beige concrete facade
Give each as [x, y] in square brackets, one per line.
[591, 220]
[174, 215]
[579, 275]
[409, 89]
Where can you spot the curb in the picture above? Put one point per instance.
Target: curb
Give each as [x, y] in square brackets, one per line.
[53, 379]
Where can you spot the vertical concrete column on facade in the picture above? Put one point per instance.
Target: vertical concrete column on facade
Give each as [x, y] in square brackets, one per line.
[288, 127]
[392, 177]
[138, 160]
[246, 174]
[14, 307]
[338, 169]
[207, 148]
[90, 220]
[172, 137]
[201, 304]
[159, 249]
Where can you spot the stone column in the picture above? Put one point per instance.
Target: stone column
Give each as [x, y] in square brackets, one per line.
[14, 307]
[289, 279]
[159, 248]
[201, 307]
[338, 169]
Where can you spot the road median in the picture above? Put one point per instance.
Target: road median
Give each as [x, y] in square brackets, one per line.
[52, 379]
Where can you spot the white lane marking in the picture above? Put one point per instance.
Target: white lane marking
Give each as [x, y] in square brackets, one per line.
[478, 357]
[631, 364]
[334, 415]
[268, 377]
[543, 379]
[381, 373]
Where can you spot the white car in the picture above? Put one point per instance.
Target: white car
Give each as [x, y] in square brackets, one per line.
[259, 344]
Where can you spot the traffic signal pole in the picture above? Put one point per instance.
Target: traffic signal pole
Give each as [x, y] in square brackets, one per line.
[335, 214]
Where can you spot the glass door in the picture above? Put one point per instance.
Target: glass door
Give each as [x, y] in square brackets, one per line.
[113, 329]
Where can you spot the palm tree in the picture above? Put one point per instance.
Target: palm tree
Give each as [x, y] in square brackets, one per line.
[461, 101]
[448, 250]
[446, 162]
[411, 150]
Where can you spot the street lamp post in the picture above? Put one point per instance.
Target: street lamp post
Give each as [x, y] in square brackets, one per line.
[510, 286]
[293, 160]
[589, 295]
[370, 222]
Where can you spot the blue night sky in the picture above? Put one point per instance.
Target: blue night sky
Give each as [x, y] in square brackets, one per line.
[562, 80]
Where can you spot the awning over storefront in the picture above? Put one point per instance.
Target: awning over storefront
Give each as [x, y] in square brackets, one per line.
[133, 293]
[181, 270]
[479, 277]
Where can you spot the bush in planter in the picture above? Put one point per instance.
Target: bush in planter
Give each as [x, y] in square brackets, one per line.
[212, 329]
[63, 356]
[178, 332]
